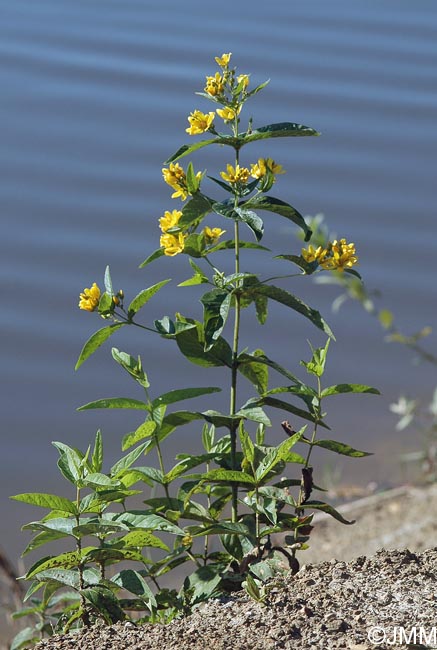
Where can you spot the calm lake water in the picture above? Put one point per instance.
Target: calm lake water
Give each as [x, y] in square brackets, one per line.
[94, 97]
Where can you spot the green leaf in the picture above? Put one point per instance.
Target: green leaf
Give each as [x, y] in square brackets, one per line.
[154, 256]
[95, 341]
[285, 406]
[97, 457]
[108, 282]
[341, 448]
[216, 306]
[339, 389]
[97, 480]
[64, 561]
[202, 584]
[190, 339]
[186, 149]
[192, 182]
[277, 455]
[247, 446]
[261, 304]
[128, 460]
[132, 366]
[50, 501]
[254, 413]
[254, 222]
[143, 297]
[255, 372]
[145, 430]
[61, 525]
[198, 278]
[229, 244]
[245, 358]
[148, 522]
[105, 602]
[324, 507]
[115, 403]
[277, 206]
[197, 208]
[141, 539]
[278, 130]
[307, 267]
[318, 361]
[287, 299]
[228, 476]
[181, 394]
[134, 582]
[25, 638]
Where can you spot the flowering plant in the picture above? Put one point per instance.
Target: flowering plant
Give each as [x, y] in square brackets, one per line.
[231, 490]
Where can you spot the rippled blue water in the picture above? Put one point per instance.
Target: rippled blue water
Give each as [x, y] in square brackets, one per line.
[94, 96]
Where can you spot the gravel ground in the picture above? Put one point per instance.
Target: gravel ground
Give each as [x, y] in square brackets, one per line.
[336, 603]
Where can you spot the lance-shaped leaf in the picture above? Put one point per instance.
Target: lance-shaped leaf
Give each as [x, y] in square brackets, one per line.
[277, 455]
[64, 560]
[143, 297]
[271, 204]
[190, 338]
[197, 208]
[181, 394]
[325, 507]
[159, 252]
[186, 149]
[132, 366]
[145, 430]
[139, 539]
[50, 501]
[105, 602]
[256, 372]
[287, 299]
[115, 403]
[95, 341]
[278, 130]
[127, 461]
[284, 406]
[229, 244]
[307, 267]
[228, 476]
[339, 389]
[216, 306]
[340, 448]
[254, 222]
[245, 358]
[134, 582]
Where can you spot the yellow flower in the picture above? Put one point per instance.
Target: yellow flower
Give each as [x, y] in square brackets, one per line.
[243, 78]
[169, 220]
[312, 254]
[172, 244]
[214, 85]
[223, 60]
[343, 256]
[177, 179]
[89, 299]
[227, 113]
[174, 174]
[237, 175]
[200, 122]
[212, 234]
[259, 169]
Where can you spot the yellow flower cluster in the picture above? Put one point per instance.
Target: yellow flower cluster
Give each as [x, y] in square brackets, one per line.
[215, 85]
[228, 114]
[259, 169]
[235, 175]
[200, 122]
[89, 298]
[175, 176]
[172, 242]
[223, 60]
[337, 256]
[212, 235]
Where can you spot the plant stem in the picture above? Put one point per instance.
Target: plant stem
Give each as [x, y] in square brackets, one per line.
[233, 400]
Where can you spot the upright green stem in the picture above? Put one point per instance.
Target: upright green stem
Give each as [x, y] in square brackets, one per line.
[234, 372]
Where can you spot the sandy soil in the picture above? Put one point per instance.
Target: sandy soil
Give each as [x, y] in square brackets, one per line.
[335, 603]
